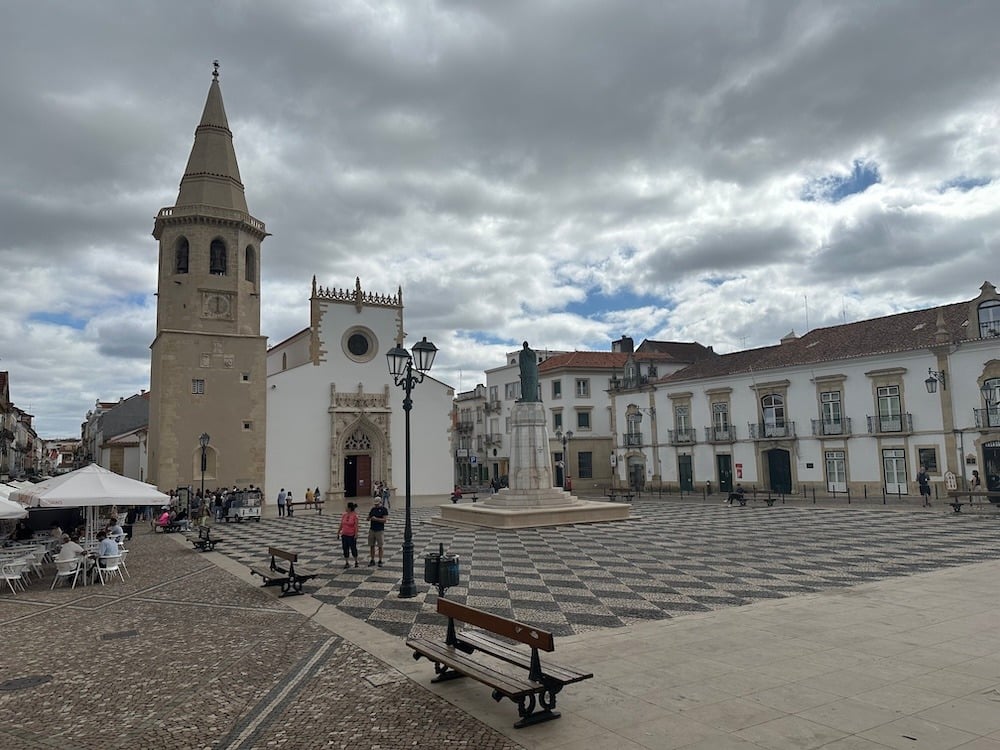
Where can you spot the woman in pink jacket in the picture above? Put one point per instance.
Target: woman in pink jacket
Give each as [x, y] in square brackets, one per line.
[348, 534]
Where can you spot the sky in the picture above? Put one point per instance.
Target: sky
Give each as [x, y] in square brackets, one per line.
[558, 171]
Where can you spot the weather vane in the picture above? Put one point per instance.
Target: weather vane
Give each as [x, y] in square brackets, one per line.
[215, 73]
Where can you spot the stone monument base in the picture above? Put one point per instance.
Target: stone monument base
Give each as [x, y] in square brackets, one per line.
[493, 515]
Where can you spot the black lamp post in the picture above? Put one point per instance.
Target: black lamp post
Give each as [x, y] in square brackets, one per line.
[401, 367]
[564, 437]
[203, 442]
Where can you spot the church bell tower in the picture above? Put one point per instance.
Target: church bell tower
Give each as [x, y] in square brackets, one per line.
[208, 362]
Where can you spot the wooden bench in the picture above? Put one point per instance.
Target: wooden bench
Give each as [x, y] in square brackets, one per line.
[204, 542]
[284, 574]
[625, 495]
[315, 504]
[167, 528]
[455, 658]
[736, 497]
[974, 498]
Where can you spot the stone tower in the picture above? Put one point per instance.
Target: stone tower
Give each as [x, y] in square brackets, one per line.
[208, 358]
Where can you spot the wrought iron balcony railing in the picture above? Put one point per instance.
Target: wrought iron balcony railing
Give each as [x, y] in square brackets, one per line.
[832, 426]
[767, 431]
[897, 423]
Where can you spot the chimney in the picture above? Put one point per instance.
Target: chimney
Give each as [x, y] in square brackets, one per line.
[624, 345]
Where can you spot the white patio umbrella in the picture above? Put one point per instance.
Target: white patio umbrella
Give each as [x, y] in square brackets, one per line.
[10, 509]
[89, 487]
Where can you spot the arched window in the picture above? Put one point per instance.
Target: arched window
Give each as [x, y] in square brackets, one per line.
[181, 256]
[989, 319]
[251, 264]
[217, 258]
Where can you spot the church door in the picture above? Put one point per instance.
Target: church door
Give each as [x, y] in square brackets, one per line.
[358, 476]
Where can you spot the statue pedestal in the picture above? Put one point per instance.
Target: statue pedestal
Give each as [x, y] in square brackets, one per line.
[531, 500]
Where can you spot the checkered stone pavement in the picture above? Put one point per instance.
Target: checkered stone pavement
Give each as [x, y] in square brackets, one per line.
[670, 559]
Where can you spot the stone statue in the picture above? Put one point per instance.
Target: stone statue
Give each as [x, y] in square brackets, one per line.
[528, 362]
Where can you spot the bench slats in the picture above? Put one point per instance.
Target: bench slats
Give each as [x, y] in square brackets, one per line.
[517, 631]
[505, 651]
[511, 686]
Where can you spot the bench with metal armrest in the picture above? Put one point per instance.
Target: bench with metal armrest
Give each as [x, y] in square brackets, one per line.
[457, 657]
[283, 573]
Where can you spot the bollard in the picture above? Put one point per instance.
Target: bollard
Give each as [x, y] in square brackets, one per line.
[814, 495]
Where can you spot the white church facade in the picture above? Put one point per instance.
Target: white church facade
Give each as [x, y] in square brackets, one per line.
[335, 416]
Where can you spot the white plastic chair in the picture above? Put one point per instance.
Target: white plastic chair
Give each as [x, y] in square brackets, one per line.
[13, 571]
[124, 553]
[36, 559]
[67, 568]
[108, 566]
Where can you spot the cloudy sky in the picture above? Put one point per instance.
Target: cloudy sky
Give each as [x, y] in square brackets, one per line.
[558, 171]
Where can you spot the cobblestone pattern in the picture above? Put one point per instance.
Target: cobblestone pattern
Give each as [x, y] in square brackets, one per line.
[672, 558]
[183, 655]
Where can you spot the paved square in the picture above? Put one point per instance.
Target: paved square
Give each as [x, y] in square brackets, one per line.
[672, 558]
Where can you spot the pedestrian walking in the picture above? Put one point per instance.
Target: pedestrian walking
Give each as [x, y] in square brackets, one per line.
[282, 496]
[924, 481]
[347, 532]
[377, 517]
[288, 503]
[385, 496]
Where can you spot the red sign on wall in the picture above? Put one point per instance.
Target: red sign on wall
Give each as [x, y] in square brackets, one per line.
[739, 471]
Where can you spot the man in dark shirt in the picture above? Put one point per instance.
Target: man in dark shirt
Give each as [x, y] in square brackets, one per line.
[377, 516]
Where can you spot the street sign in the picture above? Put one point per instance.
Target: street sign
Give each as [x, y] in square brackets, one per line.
[473, 459]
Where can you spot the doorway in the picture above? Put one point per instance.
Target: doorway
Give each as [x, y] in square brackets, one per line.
[836, 471]
[724, 465]
[685, 473]
[991, 465]
[358, 475]
[779, 470]
[894, 465]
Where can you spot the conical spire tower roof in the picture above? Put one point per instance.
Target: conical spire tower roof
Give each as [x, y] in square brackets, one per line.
[212, 176]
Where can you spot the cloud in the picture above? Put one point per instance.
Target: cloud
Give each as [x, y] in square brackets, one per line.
[563, 173]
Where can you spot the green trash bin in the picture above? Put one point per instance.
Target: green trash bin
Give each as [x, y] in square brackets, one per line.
[432, 564]
[449, 568]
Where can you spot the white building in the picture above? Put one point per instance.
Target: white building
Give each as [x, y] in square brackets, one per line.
[844, 407]
[335, 416]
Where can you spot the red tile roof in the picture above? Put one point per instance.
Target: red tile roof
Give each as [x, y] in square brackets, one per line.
[678, 351]
[865, 338]
[584, 361]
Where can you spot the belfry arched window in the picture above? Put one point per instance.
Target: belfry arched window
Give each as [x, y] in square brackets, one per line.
[217, 258]
[181, 256]
[251, 264]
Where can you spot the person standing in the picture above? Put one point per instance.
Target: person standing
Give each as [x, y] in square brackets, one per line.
[924, 481]
[309, 496]
[282, 496]
[977, 483]
[347, 532]
[385, 496]
[317, 497]
[288, 503]
[377, 516]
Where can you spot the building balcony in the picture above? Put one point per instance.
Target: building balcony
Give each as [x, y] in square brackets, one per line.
[987, 418]
[682, 437]
[831, 427]
[465, 426]
[766, 431]
[899, 424]
[492, 406]
[720, 434]
[493, 438]
[632, 440]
